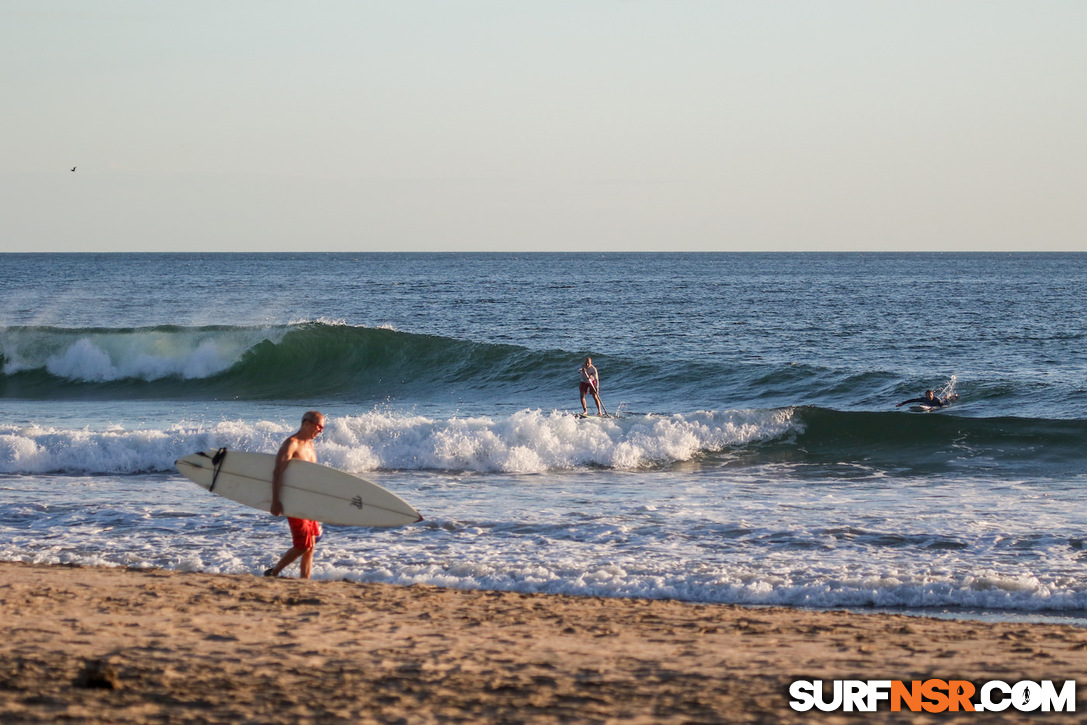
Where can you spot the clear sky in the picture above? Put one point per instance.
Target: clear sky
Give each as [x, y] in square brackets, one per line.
[543, 125]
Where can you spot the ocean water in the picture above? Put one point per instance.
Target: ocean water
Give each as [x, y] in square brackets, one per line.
[755, 455]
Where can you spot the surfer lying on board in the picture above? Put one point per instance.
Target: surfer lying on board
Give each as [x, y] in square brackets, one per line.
[304, 533]
[930, 399]
[590, 383]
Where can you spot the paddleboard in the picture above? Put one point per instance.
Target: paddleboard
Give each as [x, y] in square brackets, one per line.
[310, 491]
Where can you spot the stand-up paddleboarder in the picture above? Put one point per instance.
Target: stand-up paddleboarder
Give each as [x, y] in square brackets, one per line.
[590, 383]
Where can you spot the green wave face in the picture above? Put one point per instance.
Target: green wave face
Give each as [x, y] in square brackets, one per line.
[254, 363]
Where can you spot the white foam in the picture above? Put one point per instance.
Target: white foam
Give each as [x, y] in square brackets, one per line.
[654, 534]
[142, 354]
[796, 581]
[82, 361]
[532, 441]
[529, 441]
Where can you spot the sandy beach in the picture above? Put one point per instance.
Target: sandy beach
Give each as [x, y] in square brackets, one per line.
[104, 645]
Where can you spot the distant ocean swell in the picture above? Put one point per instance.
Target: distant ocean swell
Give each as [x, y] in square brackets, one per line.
[535, 441]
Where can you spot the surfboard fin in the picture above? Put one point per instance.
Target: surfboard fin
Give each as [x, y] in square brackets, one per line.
[217, 461]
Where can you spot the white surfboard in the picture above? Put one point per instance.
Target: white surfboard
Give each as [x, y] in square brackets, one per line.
[310, 491]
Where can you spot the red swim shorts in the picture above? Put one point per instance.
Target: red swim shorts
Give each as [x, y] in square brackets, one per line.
[304, 533]
[585, 388]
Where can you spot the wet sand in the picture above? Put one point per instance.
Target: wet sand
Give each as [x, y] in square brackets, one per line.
[104, 645]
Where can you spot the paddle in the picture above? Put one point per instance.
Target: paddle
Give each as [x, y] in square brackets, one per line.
[592, 383]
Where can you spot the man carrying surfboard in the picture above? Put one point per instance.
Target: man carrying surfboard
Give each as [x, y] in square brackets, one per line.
[590, 383]
[304, 533]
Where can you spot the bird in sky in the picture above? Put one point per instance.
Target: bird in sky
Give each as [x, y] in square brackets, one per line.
[73, 168]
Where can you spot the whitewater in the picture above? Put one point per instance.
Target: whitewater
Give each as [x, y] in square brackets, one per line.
[756, 455]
